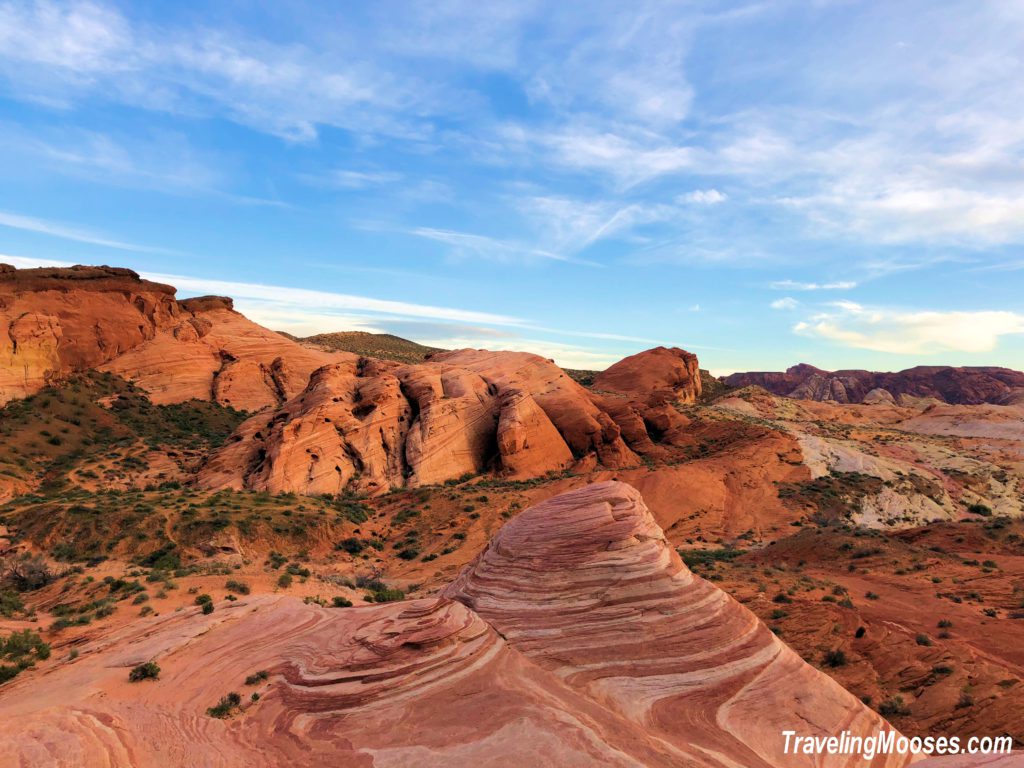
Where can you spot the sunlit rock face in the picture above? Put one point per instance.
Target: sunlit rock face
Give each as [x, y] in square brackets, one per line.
[586, 585]
[58, 321]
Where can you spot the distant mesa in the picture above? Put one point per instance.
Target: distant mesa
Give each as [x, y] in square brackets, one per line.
[954, 385]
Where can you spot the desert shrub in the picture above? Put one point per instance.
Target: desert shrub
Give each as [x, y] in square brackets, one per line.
[225, 706]
[10, 603]
[27, 573]
[275, 560]
[203, 599]
[23, 648]
[239, 587]
[893, 706]
[148, 671]
[284, 580]
[923, 639]
[207, 608]
[352, 545]
[385, 594]
[980, 509]
[256, 677]
[835, 658]
[341, 602]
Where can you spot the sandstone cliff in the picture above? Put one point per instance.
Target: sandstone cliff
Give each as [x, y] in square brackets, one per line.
[54, 322]
[376, 425]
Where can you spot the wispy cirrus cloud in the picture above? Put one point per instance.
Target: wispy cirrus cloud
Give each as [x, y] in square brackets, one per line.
[796, 285]
[469, 245]
[68, 232]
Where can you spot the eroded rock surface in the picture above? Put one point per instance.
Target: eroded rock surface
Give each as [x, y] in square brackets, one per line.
[576, 638]
[55, 322]
[376, 425]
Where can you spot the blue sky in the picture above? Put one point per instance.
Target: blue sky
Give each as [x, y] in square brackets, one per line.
[763, 183]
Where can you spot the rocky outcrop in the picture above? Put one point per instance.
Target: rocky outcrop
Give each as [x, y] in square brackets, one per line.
[577, 637]
[965, 386]
[562, 581]
[58, 321]
[377, 425]
[879, 396]
[55, 322]
[656, 375]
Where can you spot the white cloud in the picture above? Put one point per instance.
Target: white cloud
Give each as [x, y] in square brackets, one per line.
[25, 262]
[348, 179]
[319, 301]
[703, 197]
[794, 285]
[787, 303]
[911, 332]
[65, 232]
[466, 244]
[567, 225]
[630, 161]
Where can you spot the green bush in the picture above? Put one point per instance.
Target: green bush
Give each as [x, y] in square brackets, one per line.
[256, 677]
[148, 671]
[225, 706]
[352, 545]
[239, 587]
[893, 706]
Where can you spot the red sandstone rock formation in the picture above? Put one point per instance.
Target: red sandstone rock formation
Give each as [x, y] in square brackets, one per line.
[586, 585]
[965, 386]
[376, 425]
[576, 638]
[655, 375]
[54, 322]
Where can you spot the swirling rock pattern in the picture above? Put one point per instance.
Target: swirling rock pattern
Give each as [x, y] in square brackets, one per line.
[587, 585]
[576, 638]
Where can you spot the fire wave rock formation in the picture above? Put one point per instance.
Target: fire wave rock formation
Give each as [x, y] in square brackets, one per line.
[58, 321]
[586, 585]
[374, 425]
[576, 638]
